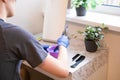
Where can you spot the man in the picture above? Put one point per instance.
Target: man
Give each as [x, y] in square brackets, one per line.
[17, 44]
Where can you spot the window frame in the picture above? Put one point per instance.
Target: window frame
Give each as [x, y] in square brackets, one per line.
[107, 9]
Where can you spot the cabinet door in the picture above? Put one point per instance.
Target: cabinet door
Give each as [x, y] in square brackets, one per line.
[28, 73]
[54, 19]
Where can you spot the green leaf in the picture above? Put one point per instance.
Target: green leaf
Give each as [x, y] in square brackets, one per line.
[101, 36]
[98, 44]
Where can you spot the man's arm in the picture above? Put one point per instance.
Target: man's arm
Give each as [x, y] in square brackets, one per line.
[57, 67]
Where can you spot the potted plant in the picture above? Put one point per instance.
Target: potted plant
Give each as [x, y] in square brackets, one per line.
[82, 5]
[93, 35]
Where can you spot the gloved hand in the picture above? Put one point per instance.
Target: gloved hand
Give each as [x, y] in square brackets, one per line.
[63, 40]
[53, 50]
[45, 47]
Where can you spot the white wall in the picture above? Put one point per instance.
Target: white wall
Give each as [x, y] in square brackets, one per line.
[47, 16]
[29, 15]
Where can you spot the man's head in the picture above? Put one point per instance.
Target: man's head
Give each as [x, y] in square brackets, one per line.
[7, 7]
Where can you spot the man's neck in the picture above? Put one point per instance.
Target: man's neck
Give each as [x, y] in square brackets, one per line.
[2, 13]
[3, 19]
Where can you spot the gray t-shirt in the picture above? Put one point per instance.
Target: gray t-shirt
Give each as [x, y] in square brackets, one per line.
[16, 44]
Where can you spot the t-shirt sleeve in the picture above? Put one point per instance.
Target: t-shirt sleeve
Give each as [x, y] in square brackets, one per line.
[28, 48]
[32, 51]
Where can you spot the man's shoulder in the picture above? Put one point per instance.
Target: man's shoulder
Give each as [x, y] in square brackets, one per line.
[12, 28]
[6, 25]
[16, 32]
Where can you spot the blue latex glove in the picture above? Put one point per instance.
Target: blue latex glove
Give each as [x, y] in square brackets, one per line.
[53, 50]
[63, 40]
[45, 47]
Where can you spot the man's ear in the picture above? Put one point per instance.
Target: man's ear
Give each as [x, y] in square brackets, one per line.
[4, 1]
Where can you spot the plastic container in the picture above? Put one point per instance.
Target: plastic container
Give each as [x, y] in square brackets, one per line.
[53, 50]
